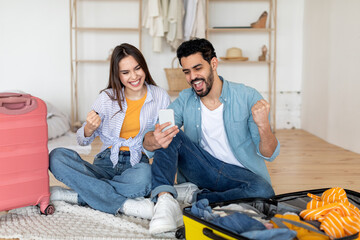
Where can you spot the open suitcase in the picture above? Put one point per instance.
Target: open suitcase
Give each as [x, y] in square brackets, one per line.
[198, 228]
[24, 157]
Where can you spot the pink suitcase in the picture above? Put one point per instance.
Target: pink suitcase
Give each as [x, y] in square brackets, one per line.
[24, 157]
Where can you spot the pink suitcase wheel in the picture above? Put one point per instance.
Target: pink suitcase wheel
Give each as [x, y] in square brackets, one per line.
[50, 209]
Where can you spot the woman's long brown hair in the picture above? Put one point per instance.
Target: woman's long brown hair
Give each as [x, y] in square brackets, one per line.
[115, 84]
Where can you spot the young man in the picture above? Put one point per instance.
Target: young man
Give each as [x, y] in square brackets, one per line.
[226, 138]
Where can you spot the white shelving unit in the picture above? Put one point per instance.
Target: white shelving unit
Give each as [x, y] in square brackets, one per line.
[96, 28]
[234, 31]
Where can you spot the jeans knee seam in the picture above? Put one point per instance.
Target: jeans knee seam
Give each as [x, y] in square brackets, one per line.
[233, 179]
[198, 157]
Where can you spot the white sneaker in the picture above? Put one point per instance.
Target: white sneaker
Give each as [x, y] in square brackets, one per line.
[167, 215]
[58, 193]
[186, 192]
[138, 207]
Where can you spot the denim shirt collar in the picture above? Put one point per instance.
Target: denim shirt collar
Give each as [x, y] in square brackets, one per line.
[224, 91]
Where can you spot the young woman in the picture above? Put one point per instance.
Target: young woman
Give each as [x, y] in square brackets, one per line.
[120, 175]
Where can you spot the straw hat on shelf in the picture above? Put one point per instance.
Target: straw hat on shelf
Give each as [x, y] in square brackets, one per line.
[234, 54]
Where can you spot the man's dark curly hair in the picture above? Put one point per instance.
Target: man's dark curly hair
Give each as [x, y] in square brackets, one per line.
[196, 45]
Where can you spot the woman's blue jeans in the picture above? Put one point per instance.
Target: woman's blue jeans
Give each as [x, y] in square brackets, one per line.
[100, 185]
[217, 180]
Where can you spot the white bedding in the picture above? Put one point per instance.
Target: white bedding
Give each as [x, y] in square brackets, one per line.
[57, 121]
[68, 140]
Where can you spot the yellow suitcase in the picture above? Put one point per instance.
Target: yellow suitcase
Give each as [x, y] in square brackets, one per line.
[199, 229]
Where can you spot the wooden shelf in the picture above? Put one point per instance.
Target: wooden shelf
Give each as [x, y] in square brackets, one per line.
[78, 37]
[91, 61]
[97, 29]
[239, 29]
[234, 29]
[239, 0]
[245, 62]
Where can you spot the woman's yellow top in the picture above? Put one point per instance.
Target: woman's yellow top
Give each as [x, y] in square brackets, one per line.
[131, 124]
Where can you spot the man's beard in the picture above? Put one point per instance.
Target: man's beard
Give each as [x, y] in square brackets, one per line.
[208, 83]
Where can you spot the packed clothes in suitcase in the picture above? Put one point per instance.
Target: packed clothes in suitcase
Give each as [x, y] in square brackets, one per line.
[24, 157]
[318, 214]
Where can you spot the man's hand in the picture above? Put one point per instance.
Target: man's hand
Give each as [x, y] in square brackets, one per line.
[268, 142]
[159, 139]
[93, 121]
[260, 112]
[163, 139]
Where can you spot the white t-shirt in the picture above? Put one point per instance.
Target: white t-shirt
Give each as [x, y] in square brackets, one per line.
[214, 139]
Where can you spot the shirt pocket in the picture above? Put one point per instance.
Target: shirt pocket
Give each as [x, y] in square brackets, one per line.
[239, 120]
[240, 129]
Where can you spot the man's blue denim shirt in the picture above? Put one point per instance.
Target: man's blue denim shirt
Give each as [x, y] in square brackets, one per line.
[241, 130]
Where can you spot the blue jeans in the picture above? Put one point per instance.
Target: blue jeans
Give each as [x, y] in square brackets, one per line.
[100, 185]
[218, 181]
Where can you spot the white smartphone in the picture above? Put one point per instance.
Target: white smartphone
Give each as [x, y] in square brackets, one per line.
[166, 115]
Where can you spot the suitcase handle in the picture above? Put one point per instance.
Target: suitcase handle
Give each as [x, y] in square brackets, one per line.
[10, 102]
[210, 234]
[17, 104]
[6, 95]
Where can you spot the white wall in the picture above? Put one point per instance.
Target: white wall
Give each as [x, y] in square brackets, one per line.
[34, 53]
[331, 99]
[34, 49]
[289, 63]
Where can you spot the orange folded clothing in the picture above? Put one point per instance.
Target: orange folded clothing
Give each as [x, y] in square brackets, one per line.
[338, 217]
[302, 233]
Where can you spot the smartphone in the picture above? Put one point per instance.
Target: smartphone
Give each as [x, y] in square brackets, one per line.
[166, 115]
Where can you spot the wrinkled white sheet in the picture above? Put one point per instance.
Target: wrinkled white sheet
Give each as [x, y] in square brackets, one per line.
[68, 141]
